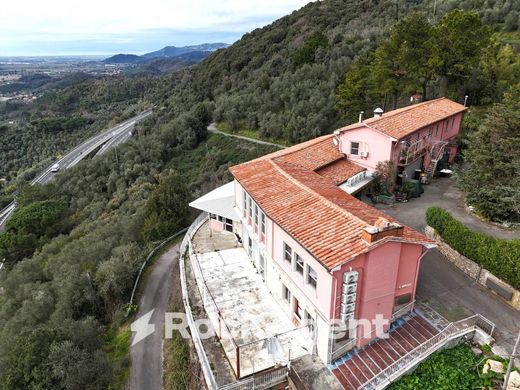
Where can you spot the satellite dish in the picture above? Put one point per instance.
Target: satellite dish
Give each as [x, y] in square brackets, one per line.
[335, 141]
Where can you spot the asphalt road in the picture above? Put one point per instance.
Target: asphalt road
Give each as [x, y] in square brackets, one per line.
[120, 138]
[110, 138]
[454, 295]
[147, 354]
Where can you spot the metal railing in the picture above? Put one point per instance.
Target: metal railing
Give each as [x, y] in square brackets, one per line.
[199, 347]
[452, 331]
[342, 349]
[402, 311]
[143, 266]
[263, 380]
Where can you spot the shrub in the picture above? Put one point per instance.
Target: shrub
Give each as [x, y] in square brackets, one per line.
[456, 368]
[501, 257]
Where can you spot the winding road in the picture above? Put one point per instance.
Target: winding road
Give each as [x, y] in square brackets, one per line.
[147, 354]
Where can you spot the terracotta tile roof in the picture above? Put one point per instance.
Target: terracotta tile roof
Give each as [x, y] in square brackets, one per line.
[309, 206]
[340, 170]
[404, 121]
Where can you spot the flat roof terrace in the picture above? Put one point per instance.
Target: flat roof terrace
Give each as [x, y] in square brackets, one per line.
[255, 332]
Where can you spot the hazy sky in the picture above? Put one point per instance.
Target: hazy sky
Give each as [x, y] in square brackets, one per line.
[49, 27]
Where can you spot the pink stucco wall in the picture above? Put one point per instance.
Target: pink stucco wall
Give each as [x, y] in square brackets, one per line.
[379, 145]
[216, 225]
[386, 272]
[319, 297]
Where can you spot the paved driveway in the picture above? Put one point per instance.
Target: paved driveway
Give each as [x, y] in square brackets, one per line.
[443, 193]
[441, 285]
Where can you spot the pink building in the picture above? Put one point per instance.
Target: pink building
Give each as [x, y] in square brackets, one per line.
[327, 257]
[416, 137]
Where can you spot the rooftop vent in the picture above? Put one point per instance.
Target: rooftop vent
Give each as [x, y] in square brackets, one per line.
[378, 112]
[382, 228]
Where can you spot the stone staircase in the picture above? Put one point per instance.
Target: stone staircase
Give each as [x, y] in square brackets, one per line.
[411, 340]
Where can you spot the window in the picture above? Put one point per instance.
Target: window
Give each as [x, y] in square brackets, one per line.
[436, 129]
[287, 253]
[354, 148]
[299, 264]
[298, 309]
[286, 294]
[312, 277]
[256, 215]
[309, 319]
[228, 223]
[250, 208]
[244, 203]
[446, 123]
[403, 299]
[262, 227]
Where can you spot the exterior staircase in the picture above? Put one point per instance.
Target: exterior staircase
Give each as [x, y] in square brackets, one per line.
[411, 340]
[436, 152]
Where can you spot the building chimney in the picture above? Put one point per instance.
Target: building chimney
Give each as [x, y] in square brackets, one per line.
[378, 112]
[361, 116]
[382, 228]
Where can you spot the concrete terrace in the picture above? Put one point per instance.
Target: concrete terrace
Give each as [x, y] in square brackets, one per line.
[239, 305]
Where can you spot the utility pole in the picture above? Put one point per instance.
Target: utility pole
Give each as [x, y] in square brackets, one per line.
[511, 361]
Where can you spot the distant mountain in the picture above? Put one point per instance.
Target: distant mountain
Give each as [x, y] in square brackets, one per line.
[123, 59]
[192, 53]
[173, 51]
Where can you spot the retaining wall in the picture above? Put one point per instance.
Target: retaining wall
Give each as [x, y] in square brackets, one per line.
[475, 271]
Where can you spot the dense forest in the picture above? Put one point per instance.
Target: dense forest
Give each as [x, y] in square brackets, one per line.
[74, 246]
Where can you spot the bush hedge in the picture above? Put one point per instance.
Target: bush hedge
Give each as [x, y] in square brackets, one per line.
[500, 257]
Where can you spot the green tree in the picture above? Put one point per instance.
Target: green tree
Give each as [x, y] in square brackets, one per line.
[166, 209]
[457, 42]
[492, 179]
[357, 91]
[401, 61]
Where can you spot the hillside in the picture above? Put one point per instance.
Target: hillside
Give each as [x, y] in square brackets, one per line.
[62, 308]
[282, 80]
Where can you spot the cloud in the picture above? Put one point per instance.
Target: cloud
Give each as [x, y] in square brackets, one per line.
[38, 25]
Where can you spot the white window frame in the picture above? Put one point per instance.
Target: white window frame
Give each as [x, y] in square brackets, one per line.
[287, 250]
[286, 294]
[358, 149]
[244, 202]
[302, 262]
[309, 277]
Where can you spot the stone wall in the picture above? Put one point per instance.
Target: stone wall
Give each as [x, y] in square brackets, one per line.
[475, 271]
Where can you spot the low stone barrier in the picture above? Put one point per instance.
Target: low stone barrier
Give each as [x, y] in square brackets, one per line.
[475, 271]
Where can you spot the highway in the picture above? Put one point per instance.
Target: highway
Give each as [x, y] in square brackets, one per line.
[109, 138]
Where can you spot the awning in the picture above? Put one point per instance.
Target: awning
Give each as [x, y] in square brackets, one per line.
[220, 201]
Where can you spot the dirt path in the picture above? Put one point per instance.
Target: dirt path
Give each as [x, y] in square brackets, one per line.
[212, 128]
